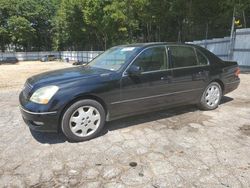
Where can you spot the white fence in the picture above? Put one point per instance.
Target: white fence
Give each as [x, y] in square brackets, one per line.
[220, 46]
[241, 50]
[239, 47]
[28, 56]
[84, 56]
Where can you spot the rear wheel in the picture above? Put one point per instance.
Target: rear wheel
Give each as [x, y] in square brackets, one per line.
[83, 120]
[211, 97]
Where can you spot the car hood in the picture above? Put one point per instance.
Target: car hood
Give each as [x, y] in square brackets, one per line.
[65, 75]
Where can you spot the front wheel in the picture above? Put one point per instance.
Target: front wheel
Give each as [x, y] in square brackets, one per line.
[211, 97]
[83, 120]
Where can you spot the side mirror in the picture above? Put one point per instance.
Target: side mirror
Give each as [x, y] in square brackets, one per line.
[134, 70]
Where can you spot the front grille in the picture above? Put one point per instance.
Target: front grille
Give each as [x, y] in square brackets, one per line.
[27, 89]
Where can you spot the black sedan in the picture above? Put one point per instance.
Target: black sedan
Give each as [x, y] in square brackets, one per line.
[124, 81]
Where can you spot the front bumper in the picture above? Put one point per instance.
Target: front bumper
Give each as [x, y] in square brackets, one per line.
[40, 121]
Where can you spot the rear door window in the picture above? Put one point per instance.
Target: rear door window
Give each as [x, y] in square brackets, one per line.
[182, 56]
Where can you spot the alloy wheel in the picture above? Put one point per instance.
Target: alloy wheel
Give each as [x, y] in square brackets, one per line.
[84, 121]
[212, 96]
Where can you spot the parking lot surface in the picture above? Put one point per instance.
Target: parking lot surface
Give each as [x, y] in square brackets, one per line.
[182, 147]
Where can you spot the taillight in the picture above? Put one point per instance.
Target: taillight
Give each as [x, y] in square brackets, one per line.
[237, 72]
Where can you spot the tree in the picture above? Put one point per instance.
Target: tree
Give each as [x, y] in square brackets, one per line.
[69, 26]
[39, 15]
[93, 16]
[21, 32]
[4, 38]
[100, 24]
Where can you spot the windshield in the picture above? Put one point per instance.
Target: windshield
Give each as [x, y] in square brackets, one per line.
[113, 58]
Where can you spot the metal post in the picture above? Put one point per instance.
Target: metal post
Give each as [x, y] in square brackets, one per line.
[179, 36]
[87, 56]
[206, 35]
[244, 18]
[230, 53]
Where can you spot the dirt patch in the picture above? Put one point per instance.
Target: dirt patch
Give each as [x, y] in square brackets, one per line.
[240, 103]
[245, 129]
[183, 116]
[14, 76]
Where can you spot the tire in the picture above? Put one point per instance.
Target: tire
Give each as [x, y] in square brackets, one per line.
[83, 120]
[211, 97]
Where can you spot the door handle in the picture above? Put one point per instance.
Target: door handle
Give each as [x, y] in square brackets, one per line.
[201, 75]
[164, 78]
[198, 76]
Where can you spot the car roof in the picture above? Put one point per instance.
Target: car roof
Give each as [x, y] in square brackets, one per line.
[145, 45]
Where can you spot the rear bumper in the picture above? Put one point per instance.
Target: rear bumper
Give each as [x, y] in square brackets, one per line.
[231, 86]
[42, 121]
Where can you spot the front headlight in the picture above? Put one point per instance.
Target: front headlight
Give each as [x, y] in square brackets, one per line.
[44, 94]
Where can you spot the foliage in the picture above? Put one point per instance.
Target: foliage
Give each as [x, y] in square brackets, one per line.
[21, 31]
[33, 18]
[99, 24]
[69, 29]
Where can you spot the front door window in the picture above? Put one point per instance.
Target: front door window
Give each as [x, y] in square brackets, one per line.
[152, 59]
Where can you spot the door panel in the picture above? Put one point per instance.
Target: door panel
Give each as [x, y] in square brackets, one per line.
[189, 77]
[189, 83]
[147, 90]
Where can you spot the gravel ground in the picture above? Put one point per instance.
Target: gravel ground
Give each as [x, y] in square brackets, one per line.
[13, 76]
[182, 147]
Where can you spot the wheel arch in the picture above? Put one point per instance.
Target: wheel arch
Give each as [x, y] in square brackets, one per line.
[88, 96]
[222, 85]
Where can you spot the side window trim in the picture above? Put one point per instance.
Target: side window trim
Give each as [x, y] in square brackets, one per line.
[197, 50]
[166, 63]
[169, 66]
[170, 56]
